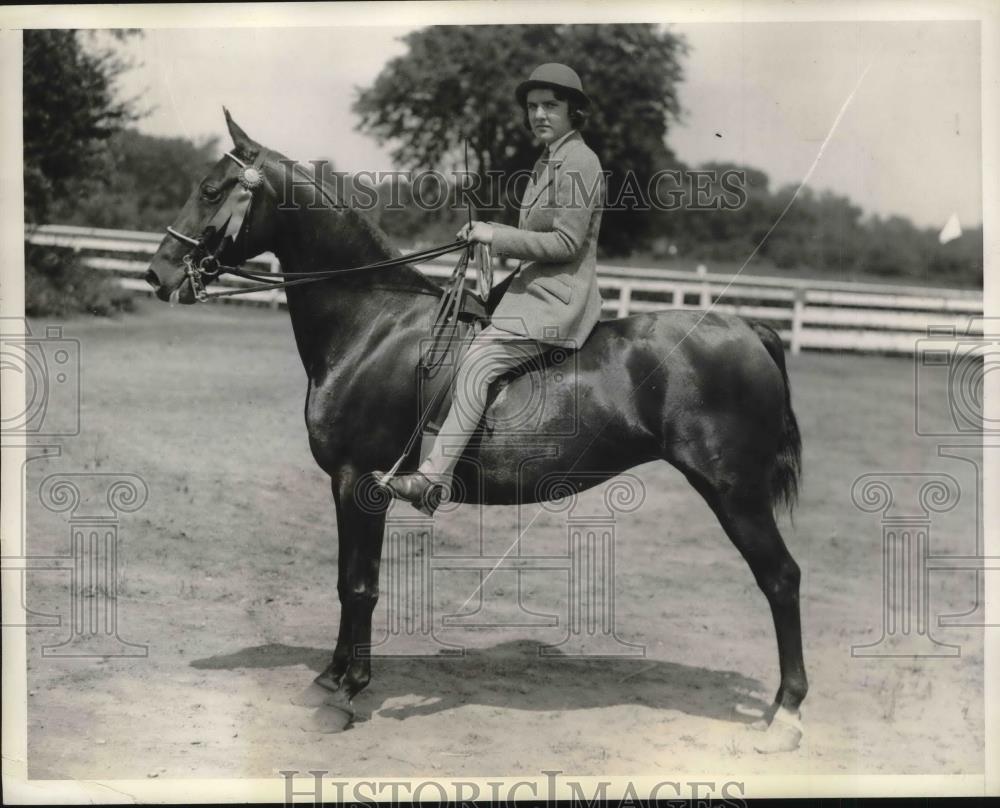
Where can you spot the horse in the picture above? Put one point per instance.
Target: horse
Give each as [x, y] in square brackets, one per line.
[707, 392]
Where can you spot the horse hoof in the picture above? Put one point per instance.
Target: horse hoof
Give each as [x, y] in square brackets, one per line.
[784, 734]
[313, 696]
[334, 712]
[763, 716]
[328, 720]
[339, 701]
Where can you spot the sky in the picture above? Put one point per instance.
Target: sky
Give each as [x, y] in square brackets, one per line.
[762, 94]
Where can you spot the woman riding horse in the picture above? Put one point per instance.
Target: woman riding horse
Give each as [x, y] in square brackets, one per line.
[706, 391]
[554, 295]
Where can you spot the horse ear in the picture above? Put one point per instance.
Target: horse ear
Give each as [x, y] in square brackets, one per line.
[240, 138]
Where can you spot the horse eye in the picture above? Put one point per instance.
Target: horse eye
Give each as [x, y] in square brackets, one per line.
[210, 193]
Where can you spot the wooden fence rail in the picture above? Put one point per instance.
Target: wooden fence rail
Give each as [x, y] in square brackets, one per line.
[809, 314]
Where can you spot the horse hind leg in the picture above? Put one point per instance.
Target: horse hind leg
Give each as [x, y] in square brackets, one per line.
[746, 515]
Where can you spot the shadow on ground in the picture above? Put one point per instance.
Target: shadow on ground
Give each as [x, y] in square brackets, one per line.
[514, 675]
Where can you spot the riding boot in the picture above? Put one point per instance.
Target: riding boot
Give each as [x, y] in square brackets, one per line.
[417, 489]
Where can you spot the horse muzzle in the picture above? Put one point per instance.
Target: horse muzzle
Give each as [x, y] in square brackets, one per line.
[182, 293]
[154, 283]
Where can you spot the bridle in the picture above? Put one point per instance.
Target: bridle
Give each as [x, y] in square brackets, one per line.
[202, 265]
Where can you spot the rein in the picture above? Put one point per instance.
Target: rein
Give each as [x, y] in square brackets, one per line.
[202, 265]
[297, 278]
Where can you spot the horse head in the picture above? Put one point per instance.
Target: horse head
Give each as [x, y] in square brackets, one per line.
[222, 224]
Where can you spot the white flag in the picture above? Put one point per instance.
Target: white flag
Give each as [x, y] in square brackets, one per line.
[951, 230]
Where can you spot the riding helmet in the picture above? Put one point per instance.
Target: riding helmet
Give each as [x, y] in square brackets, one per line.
[553, 75]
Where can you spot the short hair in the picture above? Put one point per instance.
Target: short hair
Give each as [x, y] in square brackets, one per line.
[578, 112]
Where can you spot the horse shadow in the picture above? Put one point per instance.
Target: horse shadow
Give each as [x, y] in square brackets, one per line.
[515, 675]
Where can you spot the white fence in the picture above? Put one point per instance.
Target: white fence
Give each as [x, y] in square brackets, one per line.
[827, 315]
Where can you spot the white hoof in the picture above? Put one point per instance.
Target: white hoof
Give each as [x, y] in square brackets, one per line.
[328, 720]
[340, 701]
[334, 713]
[784, 734]
[312, 696]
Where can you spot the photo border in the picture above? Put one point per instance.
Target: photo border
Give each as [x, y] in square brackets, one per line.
[18, 789]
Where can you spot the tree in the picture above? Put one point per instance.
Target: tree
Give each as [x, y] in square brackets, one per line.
[142, 183]
[69, 110]
[706, 229]
[458, 82]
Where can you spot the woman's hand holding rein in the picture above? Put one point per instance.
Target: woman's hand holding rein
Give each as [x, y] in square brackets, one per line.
[479, 231]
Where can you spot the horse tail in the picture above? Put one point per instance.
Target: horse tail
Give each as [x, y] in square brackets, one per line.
[788, 462]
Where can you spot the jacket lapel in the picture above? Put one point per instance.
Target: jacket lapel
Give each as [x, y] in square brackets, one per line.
[531, 189]
[549, 167]
[534, 191]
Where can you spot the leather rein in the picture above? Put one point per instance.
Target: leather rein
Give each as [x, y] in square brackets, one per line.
[202, 264]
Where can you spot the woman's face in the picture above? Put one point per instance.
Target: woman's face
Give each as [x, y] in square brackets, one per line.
[549, 117]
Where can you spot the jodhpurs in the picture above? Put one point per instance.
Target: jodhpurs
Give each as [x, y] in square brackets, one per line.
[490, 355]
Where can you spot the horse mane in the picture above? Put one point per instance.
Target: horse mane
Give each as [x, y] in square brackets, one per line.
[361, 221]
[384, 246]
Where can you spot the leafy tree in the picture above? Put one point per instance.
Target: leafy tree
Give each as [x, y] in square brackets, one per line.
[458, 82]
[723, 233]
[957, 262]
[142, 183]
[69, 110]
[822, 232]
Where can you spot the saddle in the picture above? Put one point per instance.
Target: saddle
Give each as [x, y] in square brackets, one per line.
[439, 361]
[436, 369]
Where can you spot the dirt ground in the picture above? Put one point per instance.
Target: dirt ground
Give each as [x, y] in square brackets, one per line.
[228, 575]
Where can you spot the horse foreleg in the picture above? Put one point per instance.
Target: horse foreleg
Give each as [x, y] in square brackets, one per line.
[360, 525]
[330, 678]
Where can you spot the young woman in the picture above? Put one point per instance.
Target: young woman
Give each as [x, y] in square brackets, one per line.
[553, 296]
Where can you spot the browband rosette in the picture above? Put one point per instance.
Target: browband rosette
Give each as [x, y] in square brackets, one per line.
[251, 178]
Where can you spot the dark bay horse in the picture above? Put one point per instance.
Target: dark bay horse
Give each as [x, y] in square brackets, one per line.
[706, 392]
